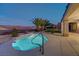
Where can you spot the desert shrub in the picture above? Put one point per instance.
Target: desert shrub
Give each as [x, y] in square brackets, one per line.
[53, 30]
[57, 31]
[14, 33]
[49, 30]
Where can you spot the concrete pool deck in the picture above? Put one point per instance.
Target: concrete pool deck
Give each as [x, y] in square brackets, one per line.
[56, 46]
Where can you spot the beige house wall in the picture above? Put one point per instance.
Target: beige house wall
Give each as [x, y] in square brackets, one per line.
[72, 15]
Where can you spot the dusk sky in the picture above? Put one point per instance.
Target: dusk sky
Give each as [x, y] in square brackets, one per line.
[23, 14]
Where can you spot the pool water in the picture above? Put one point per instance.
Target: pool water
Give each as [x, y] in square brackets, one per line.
[29, 42]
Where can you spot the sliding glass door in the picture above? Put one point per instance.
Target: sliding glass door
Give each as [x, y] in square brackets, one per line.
[72, 27]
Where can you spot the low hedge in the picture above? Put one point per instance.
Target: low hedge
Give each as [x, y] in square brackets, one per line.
[53, 30]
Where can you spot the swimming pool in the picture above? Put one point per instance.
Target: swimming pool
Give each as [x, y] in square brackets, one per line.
[29, 42]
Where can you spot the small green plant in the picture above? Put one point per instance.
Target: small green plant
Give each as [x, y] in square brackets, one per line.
[49, 30]
[54, 30]
[14, 32]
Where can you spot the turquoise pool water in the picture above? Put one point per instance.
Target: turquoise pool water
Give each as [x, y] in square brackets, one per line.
[29, 42]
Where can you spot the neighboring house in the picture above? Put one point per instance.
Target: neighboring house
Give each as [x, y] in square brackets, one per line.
[70, 20]
[51, 26]
[58, 26]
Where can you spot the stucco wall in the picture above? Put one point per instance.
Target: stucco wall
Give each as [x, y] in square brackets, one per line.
[71, 15]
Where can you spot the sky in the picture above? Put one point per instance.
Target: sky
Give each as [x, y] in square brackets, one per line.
[24, 13]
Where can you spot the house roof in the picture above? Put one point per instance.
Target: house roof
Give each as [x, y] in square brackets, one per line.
[65, 12]
[71, 13]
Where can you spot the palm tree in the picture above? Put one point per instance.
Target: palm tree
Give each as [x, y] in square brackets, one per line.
[40, 23]
[47, 22]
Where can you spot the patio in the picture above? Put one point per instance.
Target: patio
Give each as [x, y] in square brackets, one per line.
[56, 46]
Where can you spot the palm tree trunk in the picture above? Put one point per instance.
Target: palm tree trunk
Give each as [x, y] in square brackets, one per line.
[38, 28]
[42, 28]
